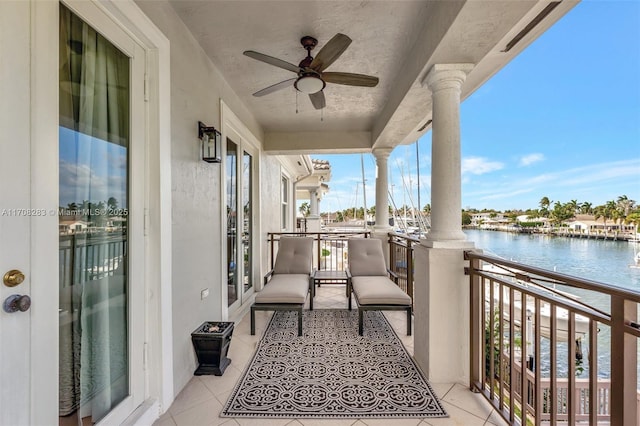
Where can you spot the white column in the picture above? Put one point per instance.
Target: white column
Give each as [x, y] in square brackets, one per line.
[313, 197]
[382, 189]
[441, 294]
[445, 82]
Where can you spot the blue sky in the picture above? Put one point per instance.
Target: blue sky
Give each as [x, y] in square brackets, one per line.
[562, 120]
[91, 169]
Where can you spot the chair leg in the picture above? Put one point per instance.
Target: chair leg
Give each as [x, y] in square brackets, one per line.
[312, 290]
[300, 322]
[349, 293]
[253, 321]
[360, 322]
[409, 321]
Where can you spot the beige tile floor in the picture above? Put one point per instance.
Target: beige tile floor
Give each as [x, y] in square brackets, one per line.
[201, 401]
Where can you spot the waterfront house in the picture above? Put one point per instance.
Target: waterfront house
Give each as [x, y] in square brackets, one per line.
[101, 101]
[588, 225]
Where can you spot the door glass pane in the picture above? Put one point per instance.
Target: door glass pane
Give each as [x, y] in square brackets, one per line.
[232, 209]
[246, 221]
[93, 187]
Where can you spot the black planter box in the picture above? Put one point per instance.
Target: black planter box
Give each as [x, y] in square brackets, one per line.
[211, 342]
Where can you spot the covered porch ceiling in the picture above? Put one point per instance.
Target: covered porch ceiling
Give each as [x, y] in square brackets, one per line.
[396, 41]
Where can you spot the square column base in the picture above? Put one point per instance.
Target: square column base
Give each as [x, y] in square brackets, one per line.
[441, 310]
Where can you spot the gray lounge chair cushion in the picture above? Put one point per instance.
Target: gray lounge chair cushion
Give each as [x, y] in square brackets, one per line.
[295, 256]
[379, 290]
[366, 257]
[285, 288]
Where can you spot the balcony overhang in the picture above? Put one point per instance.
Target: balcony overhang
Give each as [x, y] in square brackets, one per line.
[398, 42]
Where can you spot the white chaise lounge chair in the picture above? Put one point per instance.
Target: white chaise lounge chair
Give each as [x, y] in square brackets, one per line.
[287, 285]
[368, 279]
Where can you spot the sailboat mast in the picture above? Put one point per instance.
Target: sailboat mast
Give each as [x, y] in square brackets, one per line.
[355, 203]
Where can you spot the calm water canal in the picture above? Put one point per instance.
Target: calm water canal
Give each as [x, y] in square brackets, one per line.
[608, 262]
[604, 261]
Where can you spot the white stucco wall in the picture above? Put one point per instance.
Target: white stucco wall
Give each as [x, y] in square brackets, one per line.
[196, 90]
[271, 205]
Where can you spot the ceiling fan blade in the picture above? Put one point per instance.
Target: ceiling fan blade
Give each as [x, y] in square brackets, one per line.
[272, 61]
[317, 99]
[330, 52]
[275, 87]
[350, 79]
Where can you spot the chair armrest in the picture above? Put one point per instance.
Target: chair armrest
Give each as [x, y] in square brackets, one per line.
[348, 272]
[267, 276]
[393, 275]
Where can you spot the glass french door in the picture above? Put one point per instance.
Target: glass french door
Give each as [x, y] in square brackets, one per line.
[240, 167]
[100, 239]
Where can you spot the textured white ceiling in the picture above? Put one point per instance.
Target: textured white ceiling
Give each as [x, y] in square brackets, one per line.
[396, 41]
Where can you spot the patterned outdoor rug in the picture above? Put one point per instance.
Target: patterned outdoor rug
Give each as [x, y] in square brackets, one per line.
[331, 372]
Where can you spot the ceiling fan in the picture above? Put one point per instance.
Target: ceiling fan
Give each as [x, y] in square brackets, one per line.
[312, 78]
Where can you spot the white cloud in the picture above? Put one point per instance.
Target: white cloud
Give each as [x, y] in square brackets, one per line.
[480, 165]
[530, 159]
[566, 183]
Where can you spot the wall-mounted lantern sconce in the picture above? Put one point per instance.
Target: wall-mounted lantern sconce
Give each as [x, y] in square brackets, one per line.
[211, 143]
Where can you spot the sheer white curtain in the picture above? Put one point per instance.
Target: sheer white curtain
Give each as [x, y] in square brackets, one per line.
[94, 137]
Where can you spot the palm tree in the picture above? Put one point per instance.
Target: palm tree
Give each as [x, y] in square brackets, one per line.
[545, 202]
[625, 204]
[586, 208]
[561, 212]
[634, 219]
[605, 212]
[112, 203]
[573, 206]
[305, 209]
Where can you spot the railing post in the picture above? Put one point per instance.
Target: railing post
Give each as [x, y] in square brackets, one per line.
[624, 399]
[392, 254]
[319, 252]
[271, 252]
[475, 323]
[409, 261]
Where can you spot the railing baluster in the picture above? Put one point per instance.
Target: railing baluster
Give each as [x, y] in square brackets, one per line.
[501, 377]
[512, 357]
[553, 397]
[484, 324]
[524, 392]
[593, 372]
[271, 237]
[571, 360]
[319, 250]
[538, 387]
[409, 271]
[491, 344]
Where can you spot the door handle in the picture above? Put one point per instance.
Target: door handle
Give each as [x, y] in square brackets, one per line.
[16, 302]
[13, 278]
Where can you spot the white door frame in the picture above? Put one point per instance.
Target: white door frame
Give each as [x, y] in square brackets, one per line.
[158, 348]
[33, 26]
[233, 127]
[104, 24]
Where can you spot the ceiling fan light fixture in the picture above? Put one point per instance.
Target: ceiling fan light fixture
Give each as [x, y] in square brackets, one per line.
[309, 84]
